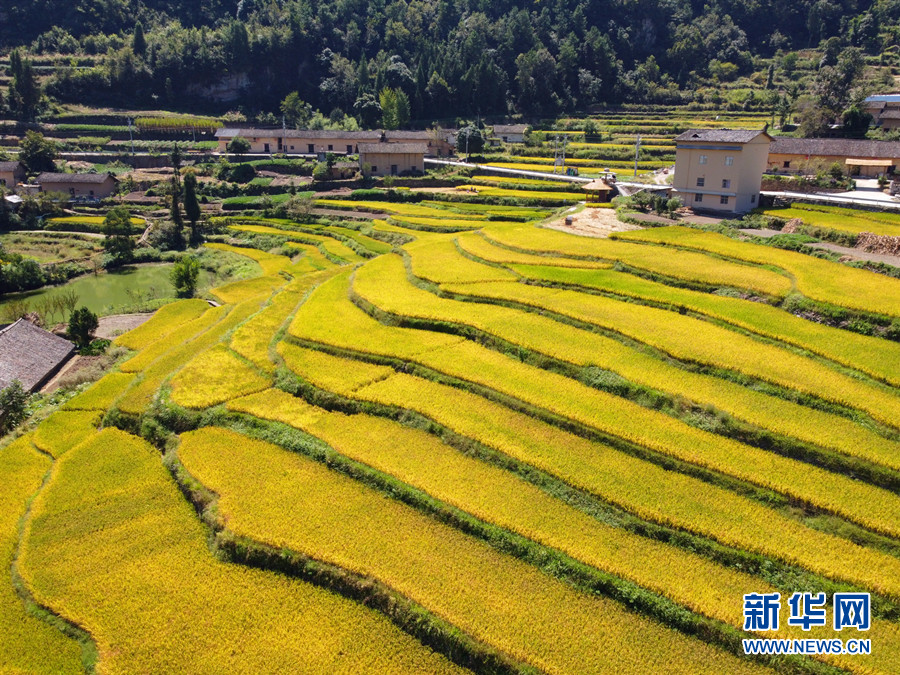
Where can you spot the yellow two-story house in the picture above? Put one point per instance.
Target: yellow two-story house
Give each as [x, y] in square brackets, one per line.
[720, 169]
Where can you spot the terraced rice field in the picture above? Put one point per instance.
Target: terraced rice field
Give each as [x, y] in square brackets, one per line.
[492, 448]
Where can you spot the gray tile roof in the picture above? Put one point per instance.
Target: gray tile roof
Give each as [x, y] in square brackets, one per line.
[250, 132]
[10, 166]
[510, 128]
[393, 148]
[30, 354]
[719, 135]
[840, 147]
[48, 177]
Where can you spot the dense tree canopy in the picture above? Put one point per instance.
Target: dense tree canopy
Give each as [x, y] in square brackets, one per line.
[448, 59]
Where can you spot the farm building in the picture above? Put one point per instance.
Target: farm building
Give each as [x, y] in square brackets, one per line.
[314, 141]
[598, 191]
[511, 133]
[98, 185]
[858, 157]
[391, 159]
[880, 105]
[11, 173]
[31, 355]
[720, 169]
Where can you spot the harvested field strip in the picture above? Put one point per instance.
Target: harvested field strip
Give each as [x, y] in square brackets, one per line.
[572, 345]
[697, 341]
[697, 267]
[504, 602]
[477, 246]
[65, 429]
[545, 390]
[252, 339]
[102, 394]
[869, 506]
[843, 220]
[502, 499]
[213, 377]
[29, 645]
[439, 261]
[138, 398]
[875, 357]
[186, 331]
[238, 291]
[164, 322]
[640, 487]
[114, 547]
[271, 264]
[397, 208]
[817, 279]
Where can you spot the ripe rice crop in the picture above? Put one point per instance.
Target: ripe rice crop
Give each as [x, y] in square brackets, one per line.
[65, 429]
[213, 377]
[312, 259]
[535, 195]
[374, 245]
[114, 547]
[238, 291]
[514, 212]
[397, 208]
[440, 261]
[329, 317]
[504, 602]
[186, 331]
[817, 279]
[572, 345]
[141, 395]
[478, 246]
[844, 220]
[637, 486]
[163, 323]
[177, 123]
[448, 224]
[331, 245]
[875, 357]
[252, 339]
[697, 341]
[271, 264]
[102, 394]
[29, 645]
[514, 180]
[695, 267]
[502, 499]
[575, 346]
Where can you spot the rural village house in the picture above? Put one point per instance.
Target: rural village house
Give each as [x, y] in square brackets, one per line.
[391, 159]
[11, 173]
[720, 169]
[98, 185]
[438, 142]
[31, 355]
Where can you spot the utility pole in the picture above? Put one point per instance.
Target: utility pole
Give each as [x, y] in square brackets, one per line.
[131, 137]
[637, 151]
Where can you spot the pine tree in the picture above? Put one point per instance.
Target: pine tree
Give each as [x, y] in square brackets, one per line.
[139, 42]
[192, 205]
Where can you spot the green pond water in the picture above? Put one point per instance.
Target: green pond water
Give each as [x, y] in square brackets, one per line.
[109, 292]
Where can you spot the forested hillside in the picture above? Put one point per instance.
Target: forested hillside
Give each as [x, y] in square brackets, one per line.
[449, 58]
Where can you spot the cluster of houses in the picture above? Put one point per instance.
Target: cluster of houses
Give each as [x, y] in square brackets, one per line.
[381, 153]
[76, 185]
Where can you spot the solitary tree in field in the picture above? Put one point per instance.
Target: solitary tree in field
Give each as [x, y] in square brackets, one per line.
[192, 205]
[118, 241]
[184, 276]
[82, 325]
[177, 241]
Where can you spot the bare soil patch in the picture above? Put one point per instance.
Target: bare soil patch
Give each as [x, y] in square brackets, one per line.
[592, 222]
[116, 324]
